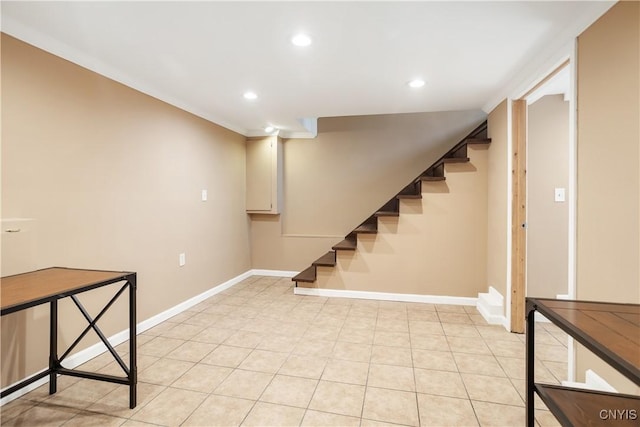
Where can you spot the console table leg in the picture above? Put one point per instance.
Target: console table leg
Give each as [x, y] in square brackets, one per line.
[133, 369]
[530, 360]
[53, 347]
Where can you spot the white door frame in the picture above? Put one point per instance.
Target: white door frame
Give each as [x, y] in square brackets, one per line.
[569, 56]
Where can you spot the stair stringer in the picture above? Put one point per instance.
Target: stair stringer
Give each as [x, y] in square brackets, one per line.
[436, 246]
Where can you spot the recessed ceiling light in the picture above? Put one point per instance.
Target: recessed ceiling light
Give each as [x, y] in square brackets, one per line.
[301, 40]
[416, 83]
[269, 129]
[250, 95]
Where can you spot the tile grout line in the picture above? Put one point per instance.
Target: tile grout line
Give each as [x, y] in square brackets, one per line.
[265, 388]
[466, 390]
[209, 393]
[413, 370]
[277, 299]
[319, 377]
[366, 385]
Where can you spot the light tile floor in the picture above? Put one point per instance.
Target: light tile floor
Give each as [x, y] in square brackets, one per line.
[257, 355]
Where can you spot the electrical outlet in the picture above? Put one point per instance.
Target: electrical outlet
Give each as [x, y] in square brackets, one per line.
[182, 259]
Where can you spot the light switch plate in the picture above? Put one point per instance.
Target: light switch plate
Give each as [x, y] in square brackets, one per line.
[204, 195]
[182, 259]
[559, 195]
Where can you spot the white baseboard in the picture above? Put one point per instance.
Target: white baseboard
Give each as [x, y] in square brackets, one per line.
[385, 296]
[592, 381]
[89, 353]
[274, 273]
[491, 307]
[493, 319]
[185, 305]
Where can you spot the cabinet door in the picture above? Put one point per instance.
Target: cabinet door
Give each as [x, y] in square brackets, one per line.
[259, 173]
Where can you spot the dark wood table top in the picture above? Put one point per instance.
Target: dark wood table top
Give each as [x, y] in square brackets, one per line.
[611, 330]
[28, 289]
[584, 408]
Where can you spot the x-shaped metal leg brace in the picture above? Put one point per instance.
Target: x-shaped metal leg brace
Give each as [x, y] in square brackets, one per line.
[55, 363]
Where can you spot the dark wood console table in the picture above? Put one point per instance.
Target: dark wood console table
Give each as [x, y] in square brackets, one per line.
[612, 332]
[52, 284]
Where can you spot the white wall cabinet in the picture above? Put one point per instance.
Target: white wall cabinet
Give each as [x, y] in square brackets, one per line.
[264, 175]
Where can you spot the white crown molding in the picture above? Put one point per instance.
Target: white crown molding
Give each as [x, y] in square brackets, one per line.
[549, 58]
[286, 134]
[36, 38]
[311, 125]
[297, 135]
[48, 44]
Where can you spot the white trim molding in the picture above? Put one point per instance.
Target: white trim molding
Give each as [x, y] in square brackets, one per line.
[573, 199]
[491, 307]
[89, 353]
[272, 273]
[549, 56]
[509, 207]
[592, 381]
[63, 50]
[386, 296]
[95, 350]
[185, 305]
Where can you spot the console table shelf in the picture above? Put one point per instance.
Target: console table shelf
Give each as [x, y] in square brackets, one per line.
[612, 332]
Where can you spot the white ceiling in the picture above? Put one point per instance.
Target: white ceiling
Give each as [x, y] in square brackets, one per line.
[202, 56]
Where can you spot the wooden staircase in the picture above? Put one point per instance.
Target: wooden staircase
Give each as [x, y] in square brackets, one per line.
[435, 172]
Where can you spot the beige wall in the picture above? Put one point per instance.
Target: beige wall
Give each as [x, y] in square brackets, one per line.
[547, 220]
[437, 246]
[497, 200]
[272, 250]
[112, 180]
[334, 182]
[608, 232]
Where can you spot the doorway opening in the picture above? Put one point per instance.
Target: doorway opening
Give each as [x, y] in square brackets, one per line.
[542, 193]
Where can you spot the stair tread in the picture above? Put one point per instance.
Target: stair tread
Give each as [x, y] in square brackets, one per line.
[387, 213]
[456, 160]
[308, 275]
[345, 245]
[478, 141]
[432, 178]
[326, 260]
[366, 229]
[409, 196]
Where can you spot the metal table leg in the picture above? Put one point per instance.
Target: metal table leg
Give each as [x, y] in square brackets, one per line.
[133, 369]
[530, 360]
[53, 347]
